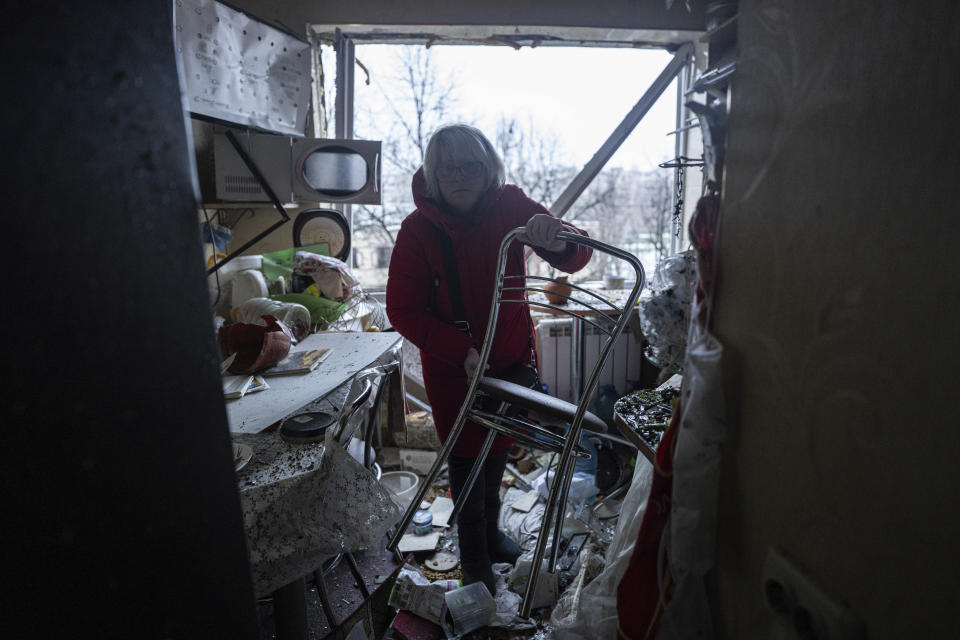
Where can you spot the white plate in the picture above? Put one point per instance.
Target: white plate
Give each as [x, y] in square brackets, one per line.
[241, 456]
[442, 561]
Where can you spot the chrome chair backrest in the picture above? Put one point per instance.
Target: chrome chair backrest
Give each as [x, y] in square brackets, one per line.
[610, 318]
[602, 312]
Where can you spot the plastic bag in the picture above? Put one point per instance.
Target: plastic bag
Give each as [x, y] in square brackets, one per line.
[471, 607]
[332, 277]
[278, 264]
[567, 609]
[323, 312]
[295, 316]
[521, 526]
[548, 584]
[697, 458]
[582, 486]
[694, 499]
[665, 314]
[590, 611]
[508, 602]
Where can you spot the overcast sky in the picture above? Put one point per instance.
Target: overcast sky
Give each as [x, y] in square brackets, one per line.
[581, 94]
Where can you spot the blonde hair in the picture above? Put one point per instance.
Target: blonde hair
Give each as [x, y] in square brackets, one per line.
[457, 144]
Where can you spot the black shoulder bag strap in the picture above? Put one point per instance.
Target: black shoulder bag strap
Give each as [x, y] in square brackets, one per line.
[453, 282]
[523, 374]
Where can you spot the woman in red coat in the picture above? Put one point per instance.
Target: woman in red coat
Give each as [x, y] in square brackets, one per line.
[460, 190]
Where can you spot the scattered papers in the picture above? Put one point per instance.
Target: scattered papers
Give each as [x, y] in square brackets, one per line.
[442, 509]
[298, 362]
[525, 502]
[238, 386]
[411, 542]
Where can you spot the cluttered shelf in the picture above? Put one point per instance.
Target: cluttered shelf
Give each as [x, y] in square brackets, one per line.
[643, 416]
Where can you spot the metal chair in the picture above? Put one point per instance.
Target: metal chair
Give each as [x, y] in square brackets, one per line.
[541, 408]
[347, 426]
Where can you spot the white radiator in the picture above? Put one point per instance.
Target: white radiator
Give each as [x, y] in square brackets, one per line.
[554, 351]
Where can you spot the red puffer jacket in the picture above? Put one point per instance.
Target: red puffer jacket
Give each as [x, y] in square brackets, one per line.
[418, 299]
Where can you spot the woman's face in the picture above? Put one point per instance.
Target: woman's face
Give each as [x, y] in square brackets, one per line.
[461, 185]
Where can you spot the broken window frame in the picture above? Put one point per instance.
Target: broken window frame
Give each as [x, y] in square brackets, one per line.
[682, 43]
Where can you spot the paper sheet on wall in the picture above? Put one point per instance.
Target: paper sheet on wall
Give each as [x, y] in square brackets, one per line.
[238, 69]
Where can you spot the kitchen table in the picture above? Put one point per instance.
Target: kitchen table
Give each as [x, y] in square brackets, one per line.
[349, 354]
[303, 503]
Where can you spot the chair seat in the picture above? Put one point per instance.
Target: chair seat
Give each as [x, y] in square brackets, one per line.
[541, 403]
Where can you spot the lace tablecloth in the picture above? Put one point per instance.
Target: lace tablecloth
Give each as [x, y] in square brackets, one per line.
[303, 503]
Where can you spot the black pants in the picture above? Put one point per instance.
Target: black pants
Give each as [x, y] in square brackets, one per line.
[477, 522]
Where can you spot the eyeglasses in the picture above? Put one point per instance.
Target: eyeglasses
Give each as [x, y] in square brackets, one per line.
[467, 170]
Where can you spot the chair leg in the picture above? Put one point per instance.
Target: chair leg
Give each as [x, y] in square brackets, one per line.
[527, 603]
[368, 455]
[567, 479]
[556, 501]
[442, 456]
[373, 424]
[318, 577]
[357, 575]
[472, 478]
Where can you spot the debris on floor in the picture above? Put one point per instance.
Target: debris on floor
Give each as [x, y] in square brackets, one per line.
[433, 604]
[424, 598]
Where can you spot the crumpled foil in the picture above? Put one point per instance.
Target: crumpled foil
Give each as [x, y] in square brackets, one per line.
[665, 313]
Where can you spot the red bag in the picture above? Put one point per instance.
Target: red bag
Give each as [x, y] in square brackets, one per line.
[639, 605]
[703, 236]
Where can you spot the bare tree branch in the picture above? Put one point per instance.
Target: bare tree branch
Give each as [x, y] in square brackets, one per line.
[624, 207]
[416, 98]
